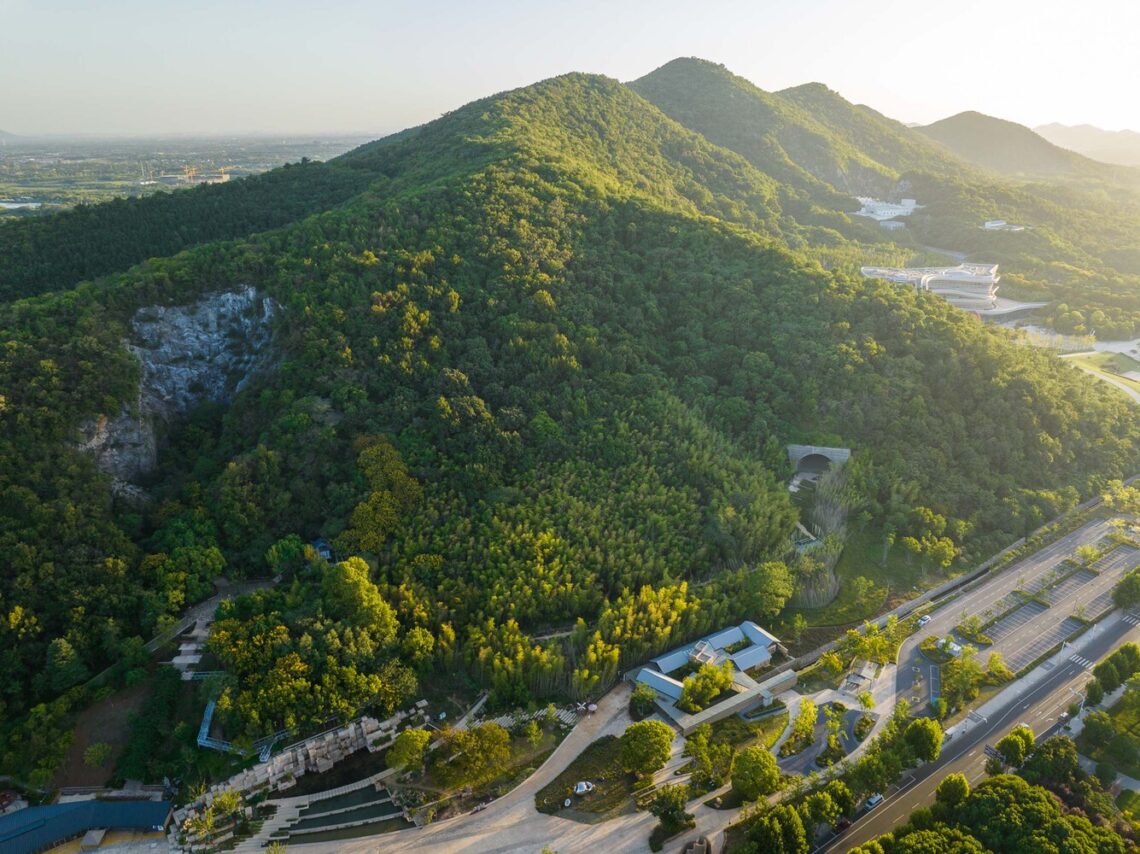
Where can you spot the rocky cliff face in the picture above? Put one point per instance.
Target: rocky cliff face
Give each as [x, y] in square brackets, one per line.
[187, 354]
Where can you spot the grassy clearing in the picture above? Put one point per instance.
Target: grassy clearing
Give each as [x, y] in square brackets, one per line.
[600, 764]
[1109, 365]
[741, 733]
[897, 579]
[818, 678]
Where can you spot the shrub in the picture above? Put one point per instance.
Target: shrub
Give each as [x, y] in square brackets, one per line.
[646, 746]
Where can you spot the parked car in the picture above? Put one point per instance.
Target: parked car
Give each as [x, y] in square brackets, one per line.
[583, 787]
[873, 801]
[923, 620]
[842, 825]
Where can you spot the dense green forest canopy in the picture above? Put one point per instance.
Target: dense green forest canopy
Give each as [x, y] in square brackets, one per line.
[54, 253]
[540, 374]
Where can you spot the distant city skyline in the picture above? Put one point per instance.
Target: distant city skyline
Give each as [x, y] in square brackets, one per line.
[347, 67]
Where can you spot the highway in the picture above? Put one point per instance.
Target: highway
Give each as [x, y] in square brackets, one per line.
[1040, 706]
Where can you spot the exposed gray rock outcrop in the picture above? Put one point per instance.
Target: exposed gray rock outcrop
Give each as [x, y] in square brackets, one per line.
[187, 354]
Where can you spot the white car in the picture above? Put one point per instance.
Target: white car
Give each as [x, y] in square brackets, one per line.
[873, 801]
[923, 620]
[583, 787]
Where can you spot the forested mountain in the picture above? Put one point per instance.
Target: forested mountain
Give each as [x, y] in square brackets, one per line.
[1082, 254]
[1108, 146]
[885, 140]
[541, 370]
[1012, 149]
[805, 136]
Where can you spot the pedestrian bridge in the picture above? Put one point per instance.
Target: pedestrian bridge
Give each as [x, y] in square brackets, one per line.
[817, 458]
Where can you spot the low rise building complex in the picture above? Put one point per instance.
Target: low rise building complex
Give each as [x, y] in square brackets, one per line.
[746, 646]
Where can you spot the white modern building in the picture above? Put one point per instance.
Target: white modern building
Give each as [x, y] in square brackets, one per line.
[880, 210]
[972, 287]
[1001, 225]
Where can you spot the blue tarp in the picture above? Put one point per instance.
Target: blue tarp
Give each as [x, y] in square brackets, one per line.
[37, 828]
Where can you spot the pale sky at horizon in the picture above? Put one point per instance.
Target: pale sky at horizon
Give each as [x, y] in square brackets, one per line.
[285, 66]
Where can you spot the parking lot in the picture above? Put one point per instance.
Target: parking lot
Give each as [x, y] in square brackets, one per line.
[1014, 620]
[1028, 628]
[1069, 587]
[1029, 651]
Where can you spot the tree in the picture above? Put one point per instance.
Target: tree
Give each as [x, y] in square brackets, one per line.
[799, 626]
[1012, 749]
[646, 747]
[841, 795]
[668, 804]
[862, 591]
[961, 677]
[1054, 762]
[1126, 593]
[803, 729]
[924, 736]
[866, 700]
[755, 773]
[953, 790]
[1107, 675]
[96, 755]
[831, 662]
[997, 669]
[780, 831]
[818, 808]
[532, 732]
[1094, 693]
[471, 756]
[711, 760]
[1099, 728]
[64, 669]
[642, 701]
[417, 645]
[1026, 736]
[704, 686]
[1123, 499]
[348, 593]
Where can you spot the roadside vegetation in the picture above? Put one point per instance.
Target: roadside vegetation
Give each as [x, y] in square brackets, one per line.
[1047, 803]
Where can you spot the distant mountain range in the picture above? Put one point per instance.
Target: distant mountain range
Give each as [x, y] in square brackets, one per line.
[1110, 146]
[1014, 150]
[1003, 146]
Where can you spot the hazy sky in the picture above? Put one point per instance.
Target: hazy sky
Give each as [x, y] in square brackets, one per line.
[153, 66]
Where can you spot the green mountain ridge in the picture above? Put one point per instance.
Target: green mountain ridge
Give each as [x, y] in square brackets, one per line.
[539, 364]
[803, 136]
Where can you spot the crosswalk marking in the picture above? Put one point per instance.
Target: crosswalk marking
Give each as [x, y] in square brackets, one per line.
[1082, 661]
[1132, 619]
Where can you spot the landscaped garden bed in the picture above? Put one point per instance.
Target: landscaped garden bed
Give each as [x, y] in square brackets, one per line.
[600, 764]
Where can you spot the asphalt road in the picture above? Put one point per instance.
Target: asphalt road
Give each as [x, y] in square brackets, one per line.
[1040, 707]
